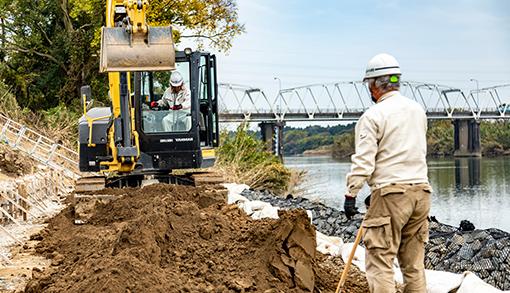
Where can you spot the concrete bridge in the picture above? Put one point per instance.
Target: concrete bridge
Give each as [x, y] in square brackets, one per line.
[348, 100]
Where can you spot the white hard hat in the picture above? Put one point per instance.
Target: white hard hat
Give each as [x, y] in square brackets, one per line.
[380, 65]
[176, 79]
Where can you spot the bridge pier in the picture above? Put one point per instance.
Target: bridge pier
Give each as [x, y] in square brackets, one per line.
[273, 131]
[468, 172]
[467, 138]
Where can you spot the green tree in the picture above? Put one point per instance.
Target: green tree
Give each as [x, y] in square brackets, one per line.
[495, 137]
[51, 47]
[294, 135]
[440, 138]
[298, 140]
[212, 20]
[344, 145]
[46, 49]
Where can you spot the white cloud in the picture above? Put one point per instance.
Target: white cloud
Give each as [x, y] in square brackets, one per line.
[304, 42]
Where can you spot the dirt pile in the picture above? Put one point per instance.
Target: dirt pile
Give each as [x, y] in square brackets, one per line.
[169, 238]
[14, 163]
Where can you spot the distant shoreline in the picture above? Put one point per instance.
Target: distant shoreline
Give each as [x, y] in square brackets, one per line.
[327, 152]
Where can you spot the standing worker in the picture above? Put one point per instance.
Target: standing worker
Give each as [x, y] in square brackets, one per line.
[391, 147]
[176, 97]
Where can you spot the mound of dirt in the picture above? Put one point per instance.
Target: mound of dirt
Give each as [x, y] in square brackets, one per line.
[14, 163]
[171, 238]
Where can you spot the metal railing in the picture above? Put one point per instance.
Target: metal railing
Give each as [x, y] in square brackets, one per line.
[39, 147]
[347, 101]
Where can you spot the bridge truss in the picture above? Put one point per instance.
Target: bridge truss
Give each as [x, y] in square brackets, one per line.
[347, 101]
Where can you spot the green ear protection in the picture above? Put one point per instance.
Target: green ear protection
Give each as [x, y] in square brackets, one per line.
[394, 79]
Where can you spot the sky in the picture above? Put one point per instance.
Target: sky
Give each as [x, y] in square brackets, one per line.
[446, 42]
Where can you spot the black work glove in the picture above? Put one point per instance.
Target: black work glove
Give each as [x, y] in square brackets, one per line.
[177, 107]
[367, 202]
[350, 206]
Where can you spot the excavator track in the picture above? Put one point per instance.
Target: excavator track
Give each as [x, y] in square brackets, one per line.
[200, 178]
[84, 184]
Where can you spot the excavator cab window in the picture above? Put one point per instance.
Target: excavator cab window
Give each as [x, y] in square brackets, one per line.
[207, 100]
[157, 101]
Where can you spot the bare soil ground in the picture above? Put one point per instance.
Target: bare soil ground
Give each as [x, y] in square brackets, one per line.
[168, 238]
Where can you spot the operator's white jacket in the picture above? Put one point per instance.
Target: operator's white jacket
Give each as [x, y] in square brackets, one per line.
[182, 97]
[391, 144]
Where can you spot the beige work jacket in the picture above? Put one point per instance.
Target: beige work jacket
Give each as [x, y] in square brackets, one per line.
[182, 97]
[391, 144]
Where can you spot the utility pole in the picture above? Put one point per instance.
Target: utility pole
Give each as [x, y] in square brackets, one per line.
[279, 96]
[278, 126]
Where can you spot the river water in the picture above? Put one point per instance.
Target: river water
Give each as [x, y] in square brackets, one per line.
[474, 189]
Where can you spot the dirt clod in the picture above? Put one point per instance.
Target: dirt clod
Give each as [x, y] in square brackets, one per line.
[14, 163]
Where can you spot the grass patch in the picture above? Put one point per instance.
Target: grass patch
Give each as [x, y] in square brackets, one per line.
[60, 123]
[243, 159]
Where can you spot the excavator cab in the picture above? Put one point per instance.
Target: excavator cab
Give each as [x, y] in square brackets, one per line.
[167, 139]
[177, 139]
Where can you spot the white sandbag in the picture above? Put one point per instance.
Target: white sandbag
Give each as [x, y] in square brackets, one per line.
[327, 245]
[336, 240]
[270, 212]
[399, 279]
[236, 198]
[235, 188]
[473, 284]
[245, 206]
[262, 210]
[267, 212]
[256, 215]
[321, 236]
[258, 205]
[442, 282]
[310, 215]
[359, 255]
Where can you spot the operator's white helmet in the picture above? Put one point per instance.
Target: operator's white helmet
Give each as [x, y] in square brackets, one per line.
[380, 65]
[176, 79]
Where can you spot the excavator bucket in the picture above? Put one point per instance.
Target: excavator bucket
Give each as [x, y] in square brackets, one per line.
[121, 52]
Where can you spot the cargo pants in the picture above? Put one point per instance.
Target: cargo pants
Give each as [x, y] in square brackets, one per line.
[396, 225]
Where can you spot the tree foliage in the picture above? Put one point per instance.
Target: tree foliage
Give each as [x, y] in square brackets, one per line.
[51, 47]
[298, 140]
[440, 138]
[212, 20]
[46, 49]
[344, 146]
[495, 137]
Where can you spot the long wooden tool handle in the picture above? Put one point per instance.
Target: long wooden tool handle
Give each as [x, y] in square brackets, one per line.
[348, 264]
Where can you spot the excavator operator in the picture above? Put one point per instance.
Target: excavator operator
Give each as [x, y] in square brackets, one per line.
[178, 98]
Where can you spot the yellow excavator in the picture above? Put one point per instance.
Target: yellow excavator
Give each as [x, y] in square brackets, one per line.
[130, 139]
